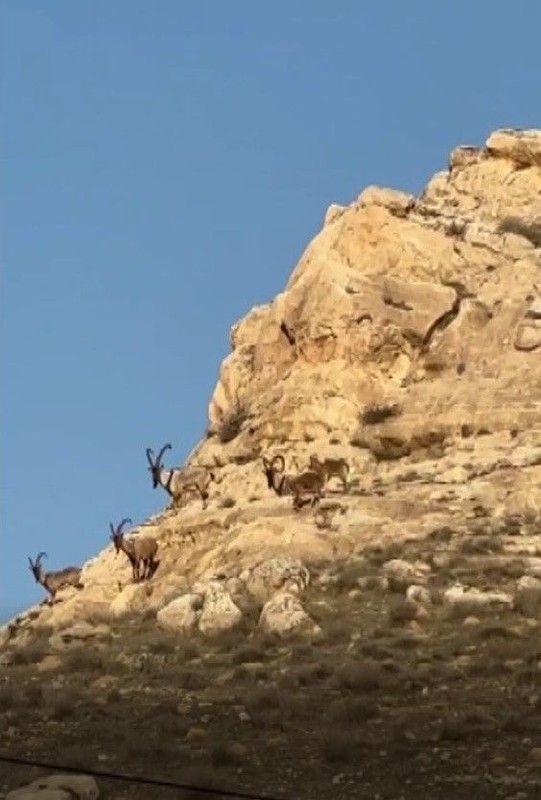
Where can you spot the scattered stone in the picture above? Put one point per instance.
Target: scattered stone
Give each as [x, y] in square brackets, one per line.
[464, 601]
[418, 594]
[401, 574]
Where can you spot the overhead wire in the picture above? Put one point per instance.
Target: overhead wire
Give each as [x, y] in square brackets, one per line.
[136, 779]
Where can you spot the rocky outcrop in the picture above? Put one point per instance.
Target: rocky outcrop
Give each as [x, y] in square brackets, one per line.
[209, 609]
[429, 300]
[407, 341]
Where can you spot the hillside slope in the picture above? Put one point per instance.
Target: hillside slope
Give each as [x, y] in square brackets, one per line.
[390, 632]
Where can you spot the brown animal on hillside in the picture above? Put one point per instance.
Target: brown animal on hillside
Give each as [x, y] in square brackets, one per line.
[330, 467]
[309, 482]
[55, 580]
[177, 482]
[140, 551]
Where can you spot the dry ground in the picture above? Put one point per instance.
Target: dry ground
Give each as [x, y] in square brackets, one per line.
[390, 702]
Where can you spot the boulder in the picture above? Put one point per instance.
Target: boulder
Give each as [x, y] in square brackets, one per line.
[284, 615]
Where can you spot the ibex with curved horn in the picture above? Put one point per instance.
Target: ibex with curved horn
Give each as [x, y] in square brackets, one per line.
[53, 581]
[310, 482]
[139, 551]
[177, 482]
[330, 467]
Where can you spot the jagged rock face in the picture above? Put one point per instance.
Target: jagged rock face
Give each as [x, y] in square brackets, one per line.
[431, 301]
[408, 341]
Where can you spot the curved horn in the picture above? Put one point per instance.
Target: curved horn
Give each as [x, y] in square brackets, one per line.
[162, 451]
[121, 525]
[112, 529]
[149, 456]
[278, 460]
[40, 556]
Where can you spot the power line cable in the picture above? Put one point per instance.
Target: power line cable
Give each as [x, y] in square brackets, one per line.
[141, 780]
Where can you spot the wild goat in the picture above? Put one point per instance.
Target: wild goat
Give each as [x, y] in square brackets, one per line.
[53, 581]
[308, 482]
[139, 551]
[332, 466]
[177, 482]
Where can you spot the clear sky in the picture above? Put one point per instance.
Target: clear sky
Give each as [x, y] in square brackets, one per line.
[164, 165]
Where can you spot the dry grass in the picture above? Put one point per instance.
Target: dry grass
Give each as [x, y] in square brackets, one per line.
[353, 711]
[338, 746]
[402, 610]
[357, 677]
[368, 694]
[226, 754]
[84, 659]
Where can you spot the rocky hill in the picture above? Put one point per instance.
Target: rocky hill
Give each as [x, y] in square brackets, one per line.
[382, 640]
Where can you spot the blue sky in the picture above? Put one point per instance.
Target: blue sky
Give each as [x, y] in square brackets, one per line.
[164, 166]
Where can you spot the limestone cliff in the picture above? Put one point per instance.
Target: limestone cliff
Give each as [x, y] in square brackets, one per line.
[407, 340]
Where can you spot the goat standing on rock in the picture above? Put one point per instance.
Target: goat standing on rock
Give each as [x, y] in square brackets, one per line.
[177, 482]
[330, 467]
[139, 551]
[310, 482]
[53, 581]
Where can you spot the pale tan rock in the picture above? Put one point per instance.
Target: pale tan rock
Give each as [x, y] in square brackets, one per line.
[219, 613]
[465, 600]
[401, 574]
[266, 578]
[284, 615]
[181, 614]
[58, 787]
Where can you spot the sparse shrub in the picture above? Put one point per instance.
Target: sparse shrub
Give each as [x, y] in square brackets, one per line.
[443, 534]
[7, 698]
[529, 229]
[61, 708]
[32, 653]
[313, 673]
[347, 578]
[232, 423]
[83, 659]
[263, 698]
[402, 610]
[248, 653]
[113, 696]
[191, 679]
[376, 414]
[357, 677]
[163, 645]
[464, 727]
[338, 746]
[33, 693]
[353, 711]
[481, 544]
[225, 754]
[228, 502]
